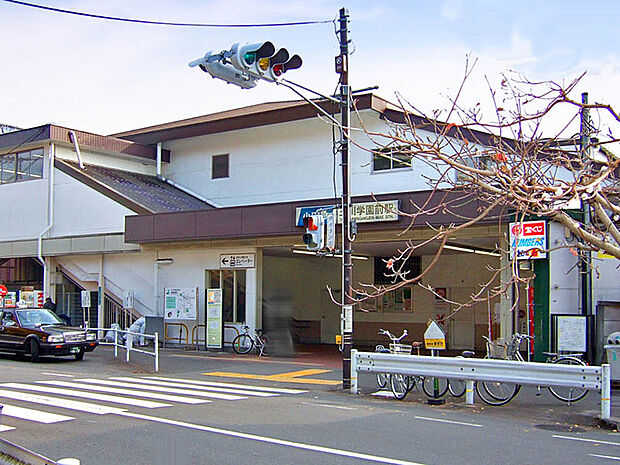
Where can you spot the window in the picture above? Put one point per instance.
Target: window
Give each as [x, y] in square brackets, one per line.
[391, 158]
[483, 162]
[232, 283]
[219, 166]
[22, 166]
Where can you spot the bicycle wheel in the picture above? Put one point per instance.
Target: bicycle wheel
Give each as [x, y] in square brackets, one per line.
[382, 380]
[567, 394]
[495, 393]
[428, 386]
[242, 344]
[457, 387]
[398, 384]
[410, 380]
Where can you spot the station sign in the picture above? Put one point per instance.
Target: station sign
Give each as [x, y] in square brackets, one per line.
[365, 212]
[239, 260]
[528, 240]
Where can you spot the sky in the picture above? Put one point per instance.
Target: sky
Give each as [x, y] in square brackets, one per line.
[105, 77]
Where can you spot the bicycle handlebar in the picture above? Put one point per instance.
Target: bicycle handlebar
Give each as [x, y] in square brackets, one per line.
[391, 336]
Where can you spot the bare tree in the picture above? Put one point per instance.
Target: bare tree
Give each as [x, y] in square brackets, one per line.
[515, 163]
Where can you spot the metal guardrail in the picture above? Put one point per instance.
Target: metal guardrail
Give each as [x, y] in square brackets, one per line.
[472, 370]
[12, 453]
[128, 343]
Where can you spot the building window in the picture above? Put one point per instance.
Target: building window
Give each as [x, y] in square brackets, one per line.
[391, 158]
[232, 283]
[219, 166]
[21, 166]
[482, 162]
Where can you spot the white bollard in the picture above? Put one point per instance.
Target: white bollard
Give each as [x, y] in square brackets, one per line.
[354, 389]
[469, 392]
[606, 392]
[156, 351]
[128, 344]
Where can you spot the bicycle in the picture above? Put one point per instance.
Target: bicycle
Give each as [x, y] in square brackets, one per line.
[400, 385]
[245, 342]
[500, 393]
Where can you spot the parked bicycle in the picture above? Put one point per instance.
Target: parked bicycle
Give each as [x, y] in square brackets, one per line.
[500, 393]
[400, 385]
[246, 342]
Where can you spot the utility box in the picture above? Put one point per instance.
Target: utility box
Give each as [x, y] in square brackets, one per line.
[613, 358]
[155, 324]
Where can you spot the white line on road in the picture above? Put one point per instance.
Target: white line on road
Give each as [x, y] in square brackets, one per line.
[598, 441]
[87, 395]
[610, 457]
[60, 403]
[231, 385]
[342, 407]
[238, 391]
[57, 374]
[450, 421]
[281, 442]
[129, 392]
[383, 394]
[5, 428]
[33, 415]
[188, 392]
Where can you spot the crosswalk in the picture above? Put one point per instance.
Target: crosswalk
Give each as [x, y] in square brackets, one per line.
[115, 395]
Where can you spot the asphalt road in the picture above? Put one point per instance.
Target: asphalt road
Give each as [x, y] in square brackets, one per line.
[274, 411]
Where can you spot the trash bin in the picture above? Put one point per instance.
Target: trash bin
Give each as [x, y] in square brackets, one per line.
[613, 358]
[614, 338]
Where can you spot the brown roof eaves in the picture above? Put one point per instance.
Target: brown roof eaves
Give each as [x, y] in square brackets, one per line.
[50, 132]
[243, 118]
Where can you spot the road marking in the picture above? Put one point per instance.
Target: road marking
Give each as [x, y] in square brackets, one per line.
[33, 415]
[205, 388]
[130, 392]
[4, 428]
[598, 441]
[341, 407]
[231, 385]
[133, 383]
[57, 374]
[61, 403]
[286, 378]
[238, 358]
[383, 394]
[450, 421]
[87, 395]
[610, 457]
[281, 442]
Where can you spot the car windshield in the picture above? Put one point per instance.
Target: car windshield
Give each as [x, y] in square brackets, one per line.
[37, 317]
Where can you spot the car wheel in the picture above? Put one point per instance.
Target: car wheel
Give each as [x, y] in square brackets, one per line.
[79, 356]
[33, 350]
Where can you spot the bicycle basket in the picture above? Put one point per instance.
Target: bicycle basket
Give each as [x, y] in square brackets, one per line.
[400, 348]
[497, 349]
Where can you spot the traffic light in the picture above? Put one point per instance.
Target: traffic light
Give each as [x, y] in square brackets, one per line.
[225, 72]
[280, 63]
[314, 238]
[252, 58]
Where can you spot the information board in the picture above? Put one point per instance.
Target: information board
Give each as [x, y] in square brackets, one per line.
[214, 320]
[434, 337]
[571, 333]
[180, 303]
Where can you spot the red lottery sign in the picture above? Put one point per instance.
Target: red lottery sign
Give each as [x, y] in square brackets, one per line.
[3, 290]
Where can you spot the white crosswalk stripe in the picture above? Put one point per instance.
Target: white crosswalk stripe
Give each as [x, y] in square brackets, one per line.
[129, 392]
[87, 395]
[235, 387]
[125, 390]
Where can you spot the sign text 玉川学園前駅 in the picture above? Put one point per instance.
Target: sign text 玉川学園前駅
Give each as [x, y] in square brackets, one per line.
[366, 212]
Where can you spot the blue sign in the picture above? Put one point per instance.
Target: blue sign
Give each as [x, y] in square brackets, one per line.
[303, 212]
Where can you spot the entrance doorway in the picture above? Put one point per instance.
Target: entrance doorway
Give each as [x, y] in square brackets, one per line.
[330, 318]
[462, 324]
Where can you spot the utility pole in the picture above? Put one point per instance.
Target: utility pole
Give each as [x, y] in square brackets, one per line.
[342, 66]
[586, 259]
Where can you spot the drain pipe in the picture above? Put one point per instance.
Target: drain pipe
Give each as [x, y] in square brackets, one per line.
[74, 139]
[159, 262]
[50, 216]
[174, 184]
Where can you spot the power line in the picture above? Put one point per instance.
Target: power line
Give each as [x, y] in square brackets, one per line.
[164, 23]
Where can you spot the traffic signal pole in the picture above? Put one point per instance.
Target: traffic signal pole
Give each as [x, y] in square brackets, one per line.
[347, 265]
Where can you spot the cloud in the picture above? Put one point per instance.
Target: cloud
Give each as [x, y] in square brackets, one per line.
[452, 9]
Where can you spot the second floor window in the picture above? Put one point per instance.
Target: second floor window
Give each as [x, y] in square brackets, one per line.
[219, 166]
[391, 158]
[21, 166]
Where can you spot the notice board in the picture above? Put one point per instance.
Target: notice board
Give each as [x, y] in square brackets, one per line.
[214, 321]
[180, 303]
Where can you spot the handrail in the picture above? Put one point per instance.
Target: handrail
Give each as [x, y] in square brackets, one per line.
[128, 345]
[196, 340]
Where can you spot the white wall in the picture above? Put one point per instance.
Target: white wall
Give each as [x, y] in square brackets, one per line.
[24, 209]
[282, 162]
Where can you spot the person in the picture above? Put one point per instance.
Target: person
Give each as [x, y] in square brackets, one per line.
[50, 304]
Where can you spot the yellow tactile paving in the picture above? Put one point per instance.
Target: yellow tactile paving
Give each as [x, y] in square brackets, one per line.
[291, 377]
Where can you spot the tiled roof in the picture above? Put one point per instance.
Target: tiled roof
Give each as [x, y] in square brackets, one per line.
[139, 192]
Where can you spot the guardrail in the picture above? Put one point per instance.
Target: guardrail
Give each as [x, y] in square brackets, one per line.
[127, 344]
[473, 369]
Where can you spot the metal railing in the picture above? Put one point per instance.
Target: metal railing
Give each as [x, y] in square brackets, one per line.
[127, 344]
[473, 370]
[196, 339]
[115, 313]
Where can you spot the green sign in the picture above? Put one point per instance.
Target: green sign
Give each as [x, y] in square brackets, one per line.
[214, 320]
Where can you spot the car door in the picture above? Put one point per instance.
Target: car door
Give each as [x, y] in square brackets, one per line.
[9, 330]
